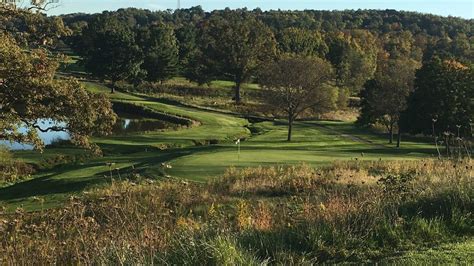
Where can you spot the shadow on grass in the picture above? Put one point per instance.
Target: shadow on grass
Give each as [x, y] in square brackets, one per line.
[49, 184]
[394, 151]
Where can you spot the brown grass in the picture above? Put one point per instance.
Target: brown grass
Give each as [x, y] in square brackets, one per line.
[277, 214]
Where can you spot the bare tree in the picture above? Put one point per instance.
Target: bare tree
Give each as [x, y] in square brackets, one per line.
[294, 85]
[38, 5]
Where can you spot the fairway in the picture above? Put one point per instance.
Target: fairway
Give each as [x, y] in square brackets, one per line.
[191, 156]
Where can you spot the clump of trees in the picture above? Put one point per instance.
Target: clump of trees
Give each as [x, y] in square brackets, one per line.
[437, 100]
[384, 97]
[115, 51]
[233, 44]
[442, 103]
[111, 51]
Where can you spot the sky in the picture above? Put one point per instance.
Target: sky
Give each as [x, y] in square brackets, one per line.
[458, 8]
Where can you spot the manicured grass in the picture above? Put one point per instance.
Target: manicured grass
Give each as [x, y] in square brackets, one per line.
[191, 156]
[98, 88]
[312, 143]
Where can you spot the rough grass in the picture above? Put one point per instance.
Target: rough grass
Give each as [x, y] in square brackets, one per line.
[347, 212]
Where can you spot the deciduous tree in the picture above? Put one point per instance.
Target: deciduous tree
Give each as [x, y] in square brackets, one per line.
[235, 45]
[384, 97]
[295, 84]
[354, 56]
[30, 90]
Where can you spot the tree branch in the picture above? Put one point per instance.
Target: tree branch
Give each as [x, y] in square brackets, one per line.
[44, 130]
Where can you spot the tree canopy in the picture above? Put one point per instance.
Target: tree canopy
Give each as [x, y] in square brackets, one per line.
[30, 90]
[293, 85]
[444, 94]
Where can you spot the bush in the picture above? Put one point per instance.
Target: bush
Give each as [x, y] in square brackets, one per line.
[12, 170]
[175, 89]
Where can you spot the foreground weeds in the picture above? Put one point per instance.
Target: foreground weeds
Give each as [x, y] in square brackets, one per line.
[352, 211]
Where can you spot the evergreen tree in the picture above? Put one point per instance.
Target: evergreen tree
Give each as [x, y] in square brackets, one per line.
[444, 93]
[160, 51]
[111, 52]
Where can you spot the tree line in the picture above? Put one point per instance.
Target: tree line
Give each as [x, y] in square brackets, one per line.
[302, 59]
[231, 44]
[381, 56]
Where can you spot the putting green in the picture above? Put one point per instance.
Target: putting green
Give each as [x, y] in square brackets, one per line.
[313, 143]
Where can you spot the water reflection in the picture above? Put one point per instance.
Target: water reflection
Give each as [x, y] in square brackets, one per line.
[47, 137]
[124, 126]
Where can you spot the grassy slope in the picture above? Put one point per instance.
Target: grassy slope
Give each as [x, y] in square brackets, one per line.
[314, 143]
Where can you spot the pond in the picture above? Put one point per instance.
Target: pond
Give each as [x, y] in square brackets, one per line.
[122, 127]
[47, 137]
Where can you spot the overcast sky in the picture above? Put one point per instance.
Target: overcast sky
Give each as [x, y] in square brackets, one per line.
[459, 8]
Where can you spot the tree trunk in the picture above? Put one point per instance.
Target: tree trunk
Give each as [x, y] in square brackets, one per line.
[448, 149]
[390, 132]
[237, 92]
[399, 137]
[112, 88]
[290, 126]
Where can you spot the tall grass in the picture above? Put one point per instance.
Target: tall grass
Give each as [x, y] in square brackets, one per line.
[350, 211]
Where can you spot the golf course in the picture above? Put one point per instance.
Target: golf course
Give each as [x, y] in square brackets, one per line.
[131, 134]
[196, 153]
